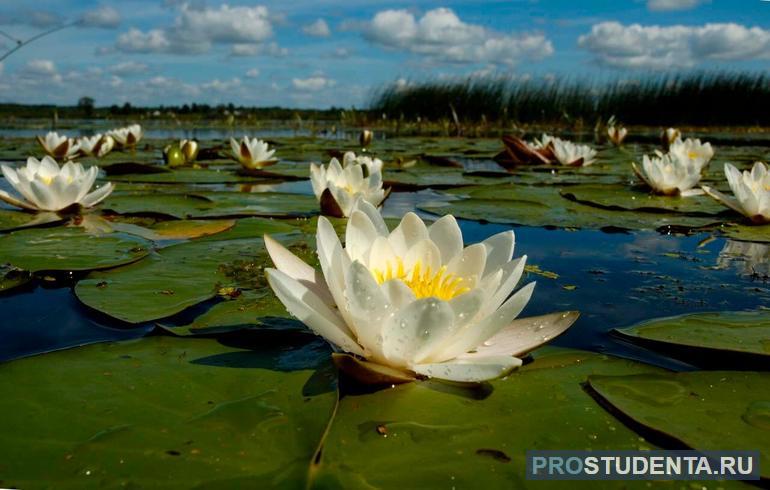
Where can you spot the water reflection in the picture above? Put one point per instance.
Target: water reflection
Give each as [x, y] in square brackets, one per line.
[747, 258]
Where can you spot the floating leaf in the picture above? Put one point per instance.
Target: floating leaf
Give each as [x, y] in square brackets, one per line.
[747, 233]
[244, 411]
[623, 197]
[12, 278]
[705, 410]
[70, 249]
[719, 340]
[15, 220]
[472, 437]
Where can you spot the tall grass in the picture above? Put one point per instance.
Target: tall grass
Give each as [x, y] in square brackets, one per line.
[700, 99]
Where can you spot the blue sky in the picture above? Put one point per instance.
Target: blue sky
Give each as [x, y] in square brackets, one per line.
[305, 53]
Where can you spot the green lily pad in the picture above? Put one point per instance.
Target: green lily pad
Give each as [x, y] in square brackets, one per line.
[213, 204]
[12, 278]
[747, 233]
[721, 340]
[473, 437]
[70, 249]
[623, 197]
[166, 412]
[176, 229]
[715, 410]
[16, 220]
[176, 278]
[544, 206]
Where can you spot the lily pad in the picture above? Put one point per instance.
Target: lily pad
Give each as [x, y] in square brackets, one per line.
[704, 410]
[176, 229]
[720, 340]
[245, 411]
[12, 278]
[70, 249]
[544, 206]
[15, 220]
[213, 204]
[622, 197]
[474, 437]
[176, 278]
[747, 233]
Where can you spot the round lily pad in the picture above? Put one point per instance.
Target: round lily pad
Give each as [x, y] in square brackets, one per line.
[70, 249]
[472, 437]
[718, 340]
[15, 220]
[704, 410]
[623, 197]
[242, 411]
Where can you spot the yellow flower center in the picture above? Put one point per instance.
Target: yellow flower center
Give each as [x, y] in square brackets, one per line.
[47, 180]
[692, 154]
[423, 282]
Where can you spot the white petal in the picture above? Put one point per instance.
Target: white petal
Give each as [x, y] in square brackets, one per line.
[499, 250]
[98, 195]
[446, 234]
[511, 273]
[310, 310]
[470, 264]
[374, 215]
[369, 309]
[415, 330]
[294, 267]
[425, 253]
[15, 202]
[727, 201]
[475, 334]
[463, 371]
[399, 294]
[360, 234]
[524, 335]
[410, 231]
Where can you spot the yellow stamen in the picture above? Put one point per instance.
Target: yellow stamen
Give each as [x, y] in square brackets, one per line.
[422, 281]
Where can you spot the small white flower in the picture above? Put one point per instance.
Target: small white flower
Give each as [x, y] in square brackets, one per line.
[46, 187]
[569, 153]
[413, 302]
[616, 134]
[127, 137]
[96, 146]
[543, 143]
[698, 153]
[669, 175]
[337, 187]
[669, 136]
[59, 147]
[252, 153]
[189, 150]
[751, 191]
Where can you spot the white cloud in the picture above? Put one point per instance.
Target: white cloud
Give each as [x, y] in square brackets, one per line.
[217, 85]
[196, 29]
[103, 16]
[269, 49]
[667, 5]
[127, 68]
[678, 46]
[253, 73]
[40, 67]
[319, 28]
[136, 41]
[442, 36]
[312, 84]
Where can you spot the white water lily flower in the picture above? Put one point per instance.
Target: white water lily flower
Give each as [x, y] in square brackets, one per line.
[46, 187]
[189, 150]
[59, 146]
[698, 153]
[669, 136]
[413, 302]
[616, 134]
[542, 143]
[97, 145]
[569, 153]
[751, 191]
[669, 175]
[128, 136]
[337, 187]
[252, 153]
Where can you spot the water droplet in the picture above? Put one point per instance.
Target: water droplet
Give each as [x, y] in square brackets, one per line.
[488, 343]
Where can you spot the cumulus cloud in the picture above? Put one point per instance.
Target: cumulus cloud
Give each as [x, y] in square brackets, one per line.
[312, 84]
[678, 46]
[319, 28]
[104, 16]
[253, 73]
[442, 36]
[668, 5]
[269, 49]
[196, 29]
[128, 68]
[40, 67]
